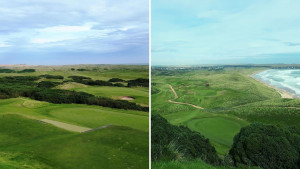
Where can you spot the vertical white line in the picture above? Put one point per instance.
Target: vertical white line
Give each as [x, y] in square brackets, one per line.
[149, 84]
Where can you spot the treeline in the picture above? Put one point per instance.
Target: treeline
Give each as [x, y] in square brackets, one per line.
[130, 83]
[15, 71]
[80, 69]
[48, 84]
[264, 146]
[52, 76]
[89, 81]
[116, 80]
[138, 82]
[24, 86]
[170, 143]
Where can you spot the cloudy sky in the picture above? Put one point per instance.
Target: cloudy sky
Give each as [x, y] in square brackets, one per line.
[225, 31]
[74, 32]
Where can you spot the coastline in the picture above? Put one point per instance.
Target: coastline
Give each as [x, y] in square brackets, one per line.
[284, 94]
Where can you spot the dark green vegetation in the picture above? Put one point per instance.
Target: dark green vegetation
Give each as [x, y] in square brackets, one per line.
[19, 71]
[27, 142]
[267, 146]
[231, 101]
[24, 86]
[176, 143]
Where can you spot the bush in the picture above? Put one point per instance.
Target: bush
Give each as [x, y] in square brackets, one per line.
[27, 71]
[178, 142]
[7, 71]
[47, 84]
[138, 82]
[52, 76]
[25, 86]
[83, 70]
[116, 80]
[267, 146]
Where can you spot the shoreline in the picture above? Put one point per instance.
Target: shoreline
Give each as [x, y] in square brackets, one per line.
[284, 94]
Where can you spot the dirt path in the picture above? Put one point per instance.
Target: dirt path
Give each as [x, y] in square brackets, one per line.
[66, 126]
[176, 96]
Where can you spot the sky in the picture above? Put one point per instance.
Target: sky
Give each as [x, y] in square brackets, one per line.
[58, 32]
[196, 32]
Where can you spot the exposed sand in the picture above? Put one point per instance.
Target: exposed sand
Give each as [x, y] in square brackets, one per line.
[66, 126]
[127, 98]
[176, 96]
[283, 94]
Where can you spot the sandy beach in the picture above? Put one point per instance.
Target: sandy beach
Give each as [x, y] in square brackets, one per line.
[283, 93]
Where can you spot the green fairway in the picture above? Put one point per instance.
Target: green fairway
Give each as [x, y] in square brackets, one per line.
[28, 142]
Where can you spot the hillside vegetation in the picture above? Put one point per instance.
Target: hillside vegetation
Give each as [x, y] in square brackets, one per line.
[119, 135]
[231, 99]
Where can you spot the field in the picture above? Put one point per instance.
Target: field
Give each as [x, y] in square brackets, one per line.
[230, 98]
[28, 141]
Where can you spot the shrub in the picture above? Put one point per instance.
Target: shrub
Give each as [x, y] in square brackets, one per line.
[47, 84]
[177, 142]
[267, 146]
[52, 76]
[116, 80]
[138, 82]
[7, 71]
[27, 71]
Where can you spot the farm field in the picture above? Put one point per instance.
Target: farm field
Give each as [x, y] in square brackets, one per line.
[230, 98]
[44, 134]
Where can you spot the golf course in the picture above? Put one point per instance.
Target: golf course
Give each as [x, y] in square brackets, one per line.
[217, 103]
[74, 116]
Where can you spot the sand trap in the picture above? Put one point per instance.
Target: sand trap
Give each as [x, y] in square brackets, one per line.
[66, 126]
[127, 98]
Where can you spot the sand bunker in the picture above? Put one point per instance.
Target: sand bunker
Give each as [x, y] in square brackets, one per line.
[66, 126]
[127, 98]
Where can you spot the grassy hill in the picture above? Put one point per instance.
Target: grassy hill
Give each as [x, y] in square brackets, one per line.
[28, 142]
[231, 100]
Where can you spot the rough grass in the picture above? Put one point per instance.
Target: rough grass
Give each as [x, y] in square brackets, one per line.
[28, 143]
[197, 164]
[82, 115]
[140, 94]
[112, 147]
[20, 161]
[232, 101]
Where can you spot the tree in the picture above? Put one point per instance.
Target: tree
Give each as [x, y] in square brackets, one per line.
[171, 142]
[267, 146]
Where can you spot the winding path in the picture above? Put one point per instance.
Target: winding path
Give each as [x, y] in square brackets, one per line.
[176, 96]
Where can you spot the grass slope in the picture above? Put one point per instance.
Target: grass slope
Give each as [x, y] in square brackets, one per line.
[112, 147]
[140, 94]
[197, 164]
[27, 143]
[232, 101]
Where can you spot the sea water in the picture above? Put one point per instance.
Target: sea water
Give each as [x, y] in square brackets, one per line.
[286, 79]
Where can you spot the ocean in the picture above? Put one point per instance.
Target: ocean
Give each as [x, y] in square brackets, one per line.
[286, 79]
